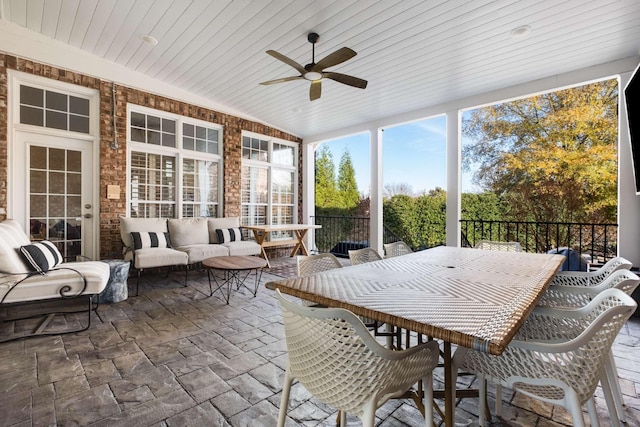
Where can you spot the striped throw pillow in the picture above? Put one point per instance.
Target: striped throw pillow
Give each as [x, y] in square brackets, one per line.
[226, 235]
[41, 256]
[147, 239]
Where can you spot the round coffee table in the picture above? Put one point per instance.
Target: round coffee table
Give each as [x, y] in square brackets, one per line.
[234, 268]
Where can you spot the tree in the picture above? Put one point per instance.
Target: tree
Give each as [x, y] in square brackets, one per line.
[347, 185]
[397, 189]
[325, 183]
[551, 157]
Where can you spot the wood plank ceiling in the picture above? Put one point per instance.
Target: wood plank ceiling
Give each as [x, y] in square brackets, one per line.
[413, 53]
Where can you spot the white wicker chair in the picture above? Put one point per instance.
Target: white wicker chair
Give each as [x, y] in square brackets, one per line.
[550, 365]
[334, 356]
[360, 256]
[563, 296]
[489, 245]
[591, 278]
[396, 249]
[311, 264]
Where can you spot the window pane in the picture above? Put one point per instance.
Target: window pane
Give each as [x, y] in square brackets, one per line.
[153, 122]
[188, 130]
[138, 135]
[138, 120]
[31, 96]
[79, 106]
[79, 124]
[169, 126]
[38, 157]
[56, 101]
[56, 120]
[153, 137]
[31, 116]
[168, 140]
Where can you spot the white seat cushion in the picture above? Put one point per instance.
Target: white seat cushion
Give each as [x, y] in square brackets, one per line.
[197, 253]
[38, 287]
[159, 257]
[244, 247]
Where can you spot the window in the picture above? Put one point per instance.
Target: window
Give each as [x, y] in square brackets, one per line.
[269, 182]
[175, 165]
[55, 110]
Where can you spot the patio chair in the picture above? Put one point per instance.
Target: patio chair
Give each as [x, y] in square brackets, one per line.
[567, 296]
[591, 278]
[546, 362]
[396, 249]
[333, 355]
[489, 245]
[360, 256]
[311, 264]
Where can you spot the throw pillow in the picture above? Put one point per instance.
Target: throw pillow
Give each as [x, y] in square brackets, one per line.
[148, 239]
[41, 256]
[226, 235]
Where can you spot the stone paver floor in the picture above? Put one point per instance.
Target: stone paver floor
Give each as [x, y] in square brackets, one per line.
[174, 356]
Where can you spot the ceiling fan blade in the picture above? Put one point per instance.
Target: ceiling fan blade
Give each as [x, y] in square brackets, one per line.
[287, 61]
[335, 58]
[284, 79]
[315, 90]
[345, 79]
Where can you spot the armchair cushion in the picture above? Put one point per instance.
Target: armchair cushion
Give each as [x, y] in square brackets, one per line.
[188, 231]
[129, 225]
[221, 223]
[41, 256]
[11, 238]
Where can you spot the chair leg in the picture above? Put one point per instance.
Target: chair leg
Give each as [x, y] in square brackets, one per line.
[369, 414]
[609, 396]
[284, 401]
[614, 383]
[498, 400]
[343, 419]
[593, 415]
[427, 383]
[138, 283]
[482, 391]
[574, 408]
[186, 276]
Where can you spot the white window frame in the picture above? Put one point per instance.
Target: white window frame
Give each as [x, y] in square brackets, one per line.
[178, 152]
[270, 166]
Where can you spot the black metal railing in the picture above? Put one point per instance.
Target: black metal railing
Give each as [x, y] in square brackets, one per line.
[597, 241]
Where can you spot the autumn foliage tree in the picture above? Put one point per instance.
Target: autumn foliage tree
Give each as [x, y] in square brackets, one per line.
[553, 157]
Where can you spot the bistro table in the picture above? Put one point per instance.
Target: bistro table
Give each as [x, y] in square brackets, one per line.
[466, 297]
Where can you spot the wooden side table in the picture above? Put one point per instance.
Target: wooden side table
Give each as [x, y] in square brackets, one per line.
[237, 270]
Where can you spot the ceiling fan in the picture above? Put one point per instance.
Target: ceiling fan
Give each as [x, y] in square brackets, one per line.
[314, 72]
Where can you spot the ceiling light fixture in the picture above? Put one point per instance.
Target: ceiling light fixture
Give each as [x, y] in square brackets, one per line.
[150, 40]
[520, 32]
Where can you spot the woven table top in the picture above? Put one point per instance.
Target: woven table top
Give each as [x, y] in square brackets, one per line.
[469, 297]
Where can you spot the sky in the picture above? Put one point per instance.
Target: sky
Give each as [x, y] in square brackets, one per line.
[413, 153]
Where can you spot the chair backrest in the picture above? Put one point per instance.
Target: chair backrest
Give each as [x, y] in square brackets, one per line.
[396, 249]
[360, 256]
[578, 296]
[591, 278]
[489, 245]
[310, 264]
[335, 357]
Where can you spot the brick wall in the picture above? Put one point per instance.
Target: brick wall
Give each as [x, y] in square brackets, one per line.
[113, 161]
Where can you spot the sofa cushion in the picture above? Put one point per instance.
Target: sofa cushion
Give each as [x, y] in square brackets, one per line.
[11, 238]
[226, 235]
[39, 287]
[129, 225]
[244, 247]
[41, 256]
[198, 253]
[159, 257]
[188, 231]
[219, 224]
[150, 239]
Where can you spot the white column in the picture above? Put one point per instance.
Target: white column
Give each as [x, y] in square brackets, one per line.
[628, 201]
[308, 191]
[377, 192]
[453, 177]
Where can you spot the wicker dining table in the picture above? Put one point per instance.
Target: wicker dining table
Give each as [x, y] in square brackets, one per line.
[461, 296]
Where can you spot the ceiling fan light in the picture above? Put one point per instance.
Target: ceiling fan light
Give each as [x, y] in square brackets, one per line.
[312, 75]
